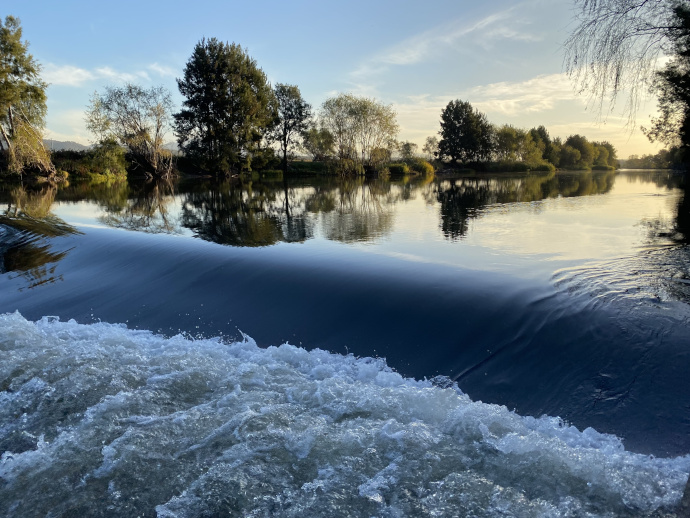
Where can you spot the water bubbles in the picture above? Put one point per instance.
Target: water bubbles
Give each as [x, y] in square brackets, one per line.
[144, 424]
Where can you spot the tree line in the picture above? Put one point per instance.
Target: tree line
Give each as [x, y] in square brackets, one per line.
[469, 139]
[233, 120]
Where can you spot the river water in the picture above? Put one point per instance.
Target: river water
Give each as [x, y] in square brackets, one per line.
[492, 345]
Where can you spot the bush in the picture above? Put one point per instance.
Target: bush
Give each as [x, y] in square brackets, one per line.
[421, 166]
[543, 167]
[399, 168]
[108, 158]
[307, 168]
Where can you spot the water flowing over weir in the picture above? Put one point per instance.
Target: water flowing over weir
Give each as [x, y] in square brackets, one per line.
[100, 420]
[410, 307]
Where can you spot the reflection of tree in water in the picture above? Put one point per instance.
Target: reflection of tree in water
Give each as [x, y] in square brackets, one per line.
[464, 199]
[25, 228]
[257, 214]
[361, 210]
[145, 207]
[245, 214]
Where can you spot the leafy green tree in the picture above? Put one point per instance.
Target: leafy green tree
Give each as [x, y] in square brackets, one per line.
[229, 107]
[22, 103]
[319, 143]
[466, 134]
[407, 150]
[359, 125]
[588, 152]
[293, 118]
[137, 119]
[569, 157]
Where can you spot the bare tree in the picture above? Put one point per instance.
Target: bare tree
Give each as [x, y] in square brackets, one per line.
[616, 46]
[138, 119]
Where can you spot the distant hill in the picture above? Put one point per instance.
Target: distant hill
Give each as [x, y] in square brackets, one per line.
[57, 145]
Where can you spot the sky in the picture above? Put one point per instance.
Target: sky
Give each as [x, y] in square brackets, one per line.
[504, 57]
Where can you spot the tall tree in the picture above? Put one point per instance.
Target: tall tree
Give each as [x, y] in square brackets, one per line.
[359, 125]
[137, 119]
[466, 134]
[293, 118]
[229, 107]
[672, 85]
[22, 103]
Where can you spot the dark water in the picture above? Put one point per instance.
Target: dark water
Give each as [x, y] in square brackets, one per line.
[564, 295]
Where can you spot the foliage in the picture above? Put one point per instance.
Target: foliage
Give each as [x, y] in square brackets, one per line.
[359, 125]
[293, 118]
[380, 156]
[229, 107]
[430, 147]
[104, 159]
[466, 135]
[615, 46]
[399, 168]
[664, 159]
[672, 85]
[22, 103]
[319, 143]
[309, 168]
[421, 166]
[137, 119]
[407, 150]
[517, 145]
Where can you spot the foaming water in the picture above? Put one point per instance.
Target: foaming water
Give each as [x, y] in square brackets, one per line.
[100, 420]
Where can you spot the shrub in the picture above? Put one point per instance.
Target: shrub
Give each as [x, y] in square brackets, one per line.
[421, 166]
[399, 168]
[543, 167]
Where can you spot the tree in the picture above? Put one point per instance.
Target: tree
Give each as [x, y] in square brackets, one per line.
[229, 107]
[22, 103]
[430, 147]
[407, 150]
[293, 118]
[319, 143]
[137, 119]
[616, 45]
[672, 85]
[359, 125]
[466, 134]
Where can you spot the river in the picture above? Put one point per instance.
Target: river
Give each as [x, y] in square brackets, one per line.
[366, 346]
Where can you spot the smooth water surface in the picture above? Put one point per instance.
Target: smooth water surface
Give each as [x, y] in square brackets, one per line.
[563, 295]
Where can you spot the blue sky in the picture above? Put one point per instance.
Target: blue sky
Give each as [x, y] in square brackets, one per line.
[504, 57]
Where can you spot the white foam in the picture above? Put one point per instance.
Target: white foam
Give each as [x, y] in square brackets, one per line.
[99, 416]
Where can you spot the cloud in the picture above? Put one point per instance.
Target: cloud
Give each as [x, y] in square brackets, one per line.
[538, 94]
[66, 75]
[69, 75]
[449, 35]
[162, 70]
[120, 77]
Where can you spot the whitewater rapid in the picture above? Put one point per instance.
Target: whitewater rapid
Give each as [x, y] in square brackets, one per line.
[101, 420]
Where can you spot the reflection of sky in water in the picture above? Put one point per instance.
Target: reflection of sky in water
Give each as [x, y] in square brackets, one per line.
[523, 238]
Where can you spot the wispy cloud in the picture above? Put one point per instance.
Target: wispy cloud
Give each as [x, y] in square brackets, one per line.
[69, 75]
[451, 35]
[162, 70]
[66, 75]
[538, 94]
